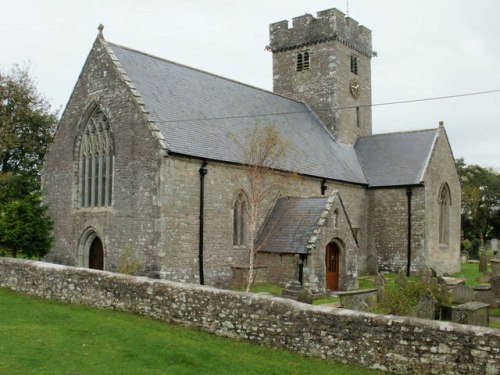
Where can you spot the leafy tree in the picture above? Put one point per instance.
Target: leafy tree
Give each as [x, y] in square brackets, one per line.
[480, 201]
[26, 128]
[26, 123]
[25, 227]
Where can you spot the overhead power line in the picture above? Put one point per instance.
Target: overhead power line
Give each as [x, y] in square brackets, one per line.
[336, 109]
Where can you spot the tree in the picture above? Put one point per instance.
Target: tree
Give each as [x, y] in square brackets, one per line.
[480, 201]
[26, 123]
[263, 150]
[25, 227]
[26, 128]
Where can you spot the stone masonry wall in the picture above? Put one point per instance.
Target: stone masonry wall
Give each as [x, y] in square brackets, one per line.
[396, 344]
[441, 170]
[388, 227]
[330, 39]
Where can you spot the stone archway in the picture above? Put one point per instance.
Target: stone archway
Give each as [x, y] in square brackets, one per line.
[332, 263]
[91, 250]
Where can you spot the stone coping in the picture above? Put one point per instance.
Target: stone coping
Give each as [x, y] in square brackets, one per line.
[483, 287]
[470, 306]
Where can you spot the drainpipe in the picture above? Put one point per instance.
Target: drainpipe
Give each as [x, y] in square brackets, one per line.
[323, 186]
[203, 172]
[408, 264]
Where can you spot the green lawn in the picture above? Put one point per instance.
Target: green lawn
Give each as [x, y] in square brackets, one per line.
[42, 337]
[469, 272]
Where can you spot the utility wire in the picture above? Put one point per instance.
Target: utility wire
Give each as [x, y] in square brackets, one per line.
[336, 109]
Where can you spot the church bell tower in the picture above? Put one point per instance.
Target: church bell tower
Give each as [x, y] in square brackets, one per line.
[325, 61]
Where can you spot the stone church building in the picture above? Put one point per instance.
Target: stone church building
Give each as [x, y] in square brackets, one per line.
[144, 164]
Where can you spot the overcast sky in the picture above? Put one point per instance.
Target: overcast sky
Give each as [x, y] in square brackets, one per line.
[426, 48]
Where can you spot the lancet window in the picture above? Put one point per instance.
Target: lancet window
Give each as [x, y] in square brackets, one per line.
[96, 162]
[444, 215]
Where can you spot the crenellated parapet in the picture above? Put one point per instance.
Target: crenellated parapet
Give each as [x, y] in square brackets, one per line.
[328, 25]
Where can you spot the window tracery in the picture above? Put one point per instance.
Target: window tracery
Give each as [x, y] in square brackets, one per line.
[96, 162]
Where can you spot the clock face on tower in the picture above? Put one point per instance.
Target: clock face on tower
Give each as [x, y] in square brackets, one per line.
[355, 88]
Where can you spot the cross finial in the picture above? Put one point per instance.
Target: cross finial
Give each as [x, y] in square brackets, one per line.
[100, 28]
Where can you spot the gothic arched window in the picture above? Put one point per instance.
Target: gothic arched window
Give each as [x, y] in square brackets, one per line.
[239, 220]
[96, 162]
[444, 214]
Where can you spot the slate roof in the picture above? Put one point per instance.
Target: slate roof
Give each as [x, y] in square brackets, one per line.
[395, 159]
[291, 225]
[198, 113]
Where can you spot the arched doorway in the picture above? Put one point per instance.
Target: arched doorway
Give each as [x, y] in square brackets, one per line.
[332, 261]
[96, 255]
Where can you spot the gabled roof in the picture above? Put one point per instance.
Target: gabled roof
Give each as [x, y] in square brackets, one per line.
[395, 159]
[289, 228]
[197, 113]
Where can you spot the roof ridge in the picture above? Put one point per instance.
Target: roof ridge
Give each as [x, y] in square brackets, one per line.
[206, 72]
[400, 132]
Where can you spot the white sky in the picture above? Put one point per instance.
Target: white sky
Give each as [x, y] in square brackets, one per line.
[426, 48]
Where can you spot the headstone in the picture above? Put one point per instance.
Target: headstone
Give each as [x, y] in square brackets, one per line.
[426, 308]
[483, 293]
[495, 285]
[464, 257]
[485, 277]
[494, 248]
[372, 264]
[483, 262]
[462, 294]
[425, 274]
[495, 266]
[380, 281]
[356, 303]
[473, 313]
[444, 293]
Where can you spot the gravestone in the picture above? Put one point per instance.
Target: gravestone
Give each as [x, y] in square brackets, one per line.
[426, 308]
[425, 273]
[495, 266]
[462, 294]
[473, 313]
[483, 262]
[483, 293]
[495, 285]
[380, 281]
[494, 248]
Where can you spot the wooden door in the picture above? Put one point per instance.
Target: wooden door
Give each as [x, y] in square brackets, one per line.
[332, 266]
[96, 255]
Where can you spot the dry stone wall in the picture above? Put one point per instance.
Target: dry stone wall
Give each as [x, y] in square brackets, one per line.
[396, 344]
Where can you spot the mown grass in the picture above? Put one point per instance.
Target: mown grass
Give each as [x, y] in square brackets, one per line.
[42, 337]
[469, 272]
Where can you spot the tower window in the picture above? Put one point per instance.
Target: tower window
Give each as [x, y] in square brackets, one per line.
[96, 162]
[354, 64]
[302, 61]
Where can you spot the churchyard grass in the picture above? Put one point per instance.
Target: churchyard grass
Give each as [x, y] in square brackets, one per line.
[45, 337]
[469, 272]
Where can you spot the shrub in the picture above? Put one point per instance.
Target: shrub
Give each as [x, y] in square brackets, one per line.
[405, 297]
[128, 263]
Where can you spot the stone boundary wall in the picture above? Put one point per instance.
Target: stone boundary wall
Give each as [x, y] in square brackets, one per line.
[397, 344]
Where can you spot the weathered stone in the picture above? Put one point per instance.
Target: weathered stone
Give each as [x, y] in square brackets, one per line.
[483, 293]
[403, 345]
[401, 278]
[362, 299]
[495, 266]
[472, 313]
[483, 262]
[495, 285]
[462, 294]
[426, 308]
